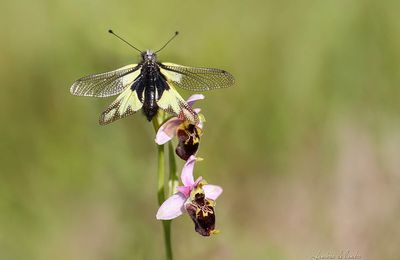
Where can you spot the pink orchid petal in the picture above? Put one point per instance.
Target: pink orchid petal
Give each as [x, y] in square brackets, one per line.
[185, 190]
[187, 171]
[172, 207]
[212, 191]
[197, 110]
[194, 98]
[167, 130]
[197, 181]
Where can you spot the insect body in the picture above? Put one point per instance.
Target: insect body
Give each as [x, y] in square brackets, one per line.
[150, 85]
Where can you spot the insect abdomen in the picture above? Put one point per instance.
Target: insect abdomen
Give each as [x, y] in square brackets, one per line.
[150, 106]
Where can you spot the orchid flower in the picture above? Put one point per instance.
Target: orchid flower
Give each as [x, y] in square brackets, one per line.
[195, 197]
[188, 134]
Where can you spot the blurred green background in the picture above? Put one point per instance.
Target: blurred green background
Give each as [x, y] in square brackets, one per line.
[306, 145]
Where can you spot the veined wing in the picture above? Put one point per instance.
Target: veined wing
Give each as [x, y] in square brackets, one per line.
[127, 103]
[106, 84]
[196, 79]
[173, 103]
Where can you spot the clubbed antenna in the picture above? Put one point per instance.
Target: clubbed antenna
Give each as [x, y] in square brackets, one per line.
[176, 33]
[113, 33]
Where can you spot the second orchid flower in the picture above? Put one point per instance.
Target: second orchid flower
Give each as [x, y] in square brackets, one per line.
[197, 198]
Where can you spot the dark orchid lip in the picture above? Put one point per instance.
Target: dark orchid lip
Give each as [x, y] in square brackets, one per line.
[188, 140]
[201, 211]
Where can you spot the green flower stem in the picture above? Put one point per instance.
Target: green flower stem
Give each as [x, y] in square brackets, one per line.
[167, 239]
[173, 178]
[161, 190]
[161, 175]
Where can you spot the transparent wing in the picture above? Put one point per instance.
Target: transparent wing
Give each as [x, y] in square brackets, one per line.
[127, 103]
[106, 84]
[196, 79]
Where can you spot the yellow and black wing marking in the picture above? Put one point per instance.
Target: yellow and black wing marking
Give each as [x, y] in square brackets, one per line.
[106, 84]
[127, 103]
[173, 103]
[196, 79]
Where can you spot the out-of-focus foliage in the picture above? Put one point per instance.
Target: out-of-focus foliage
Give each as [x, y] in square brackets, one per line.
[306, 145]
